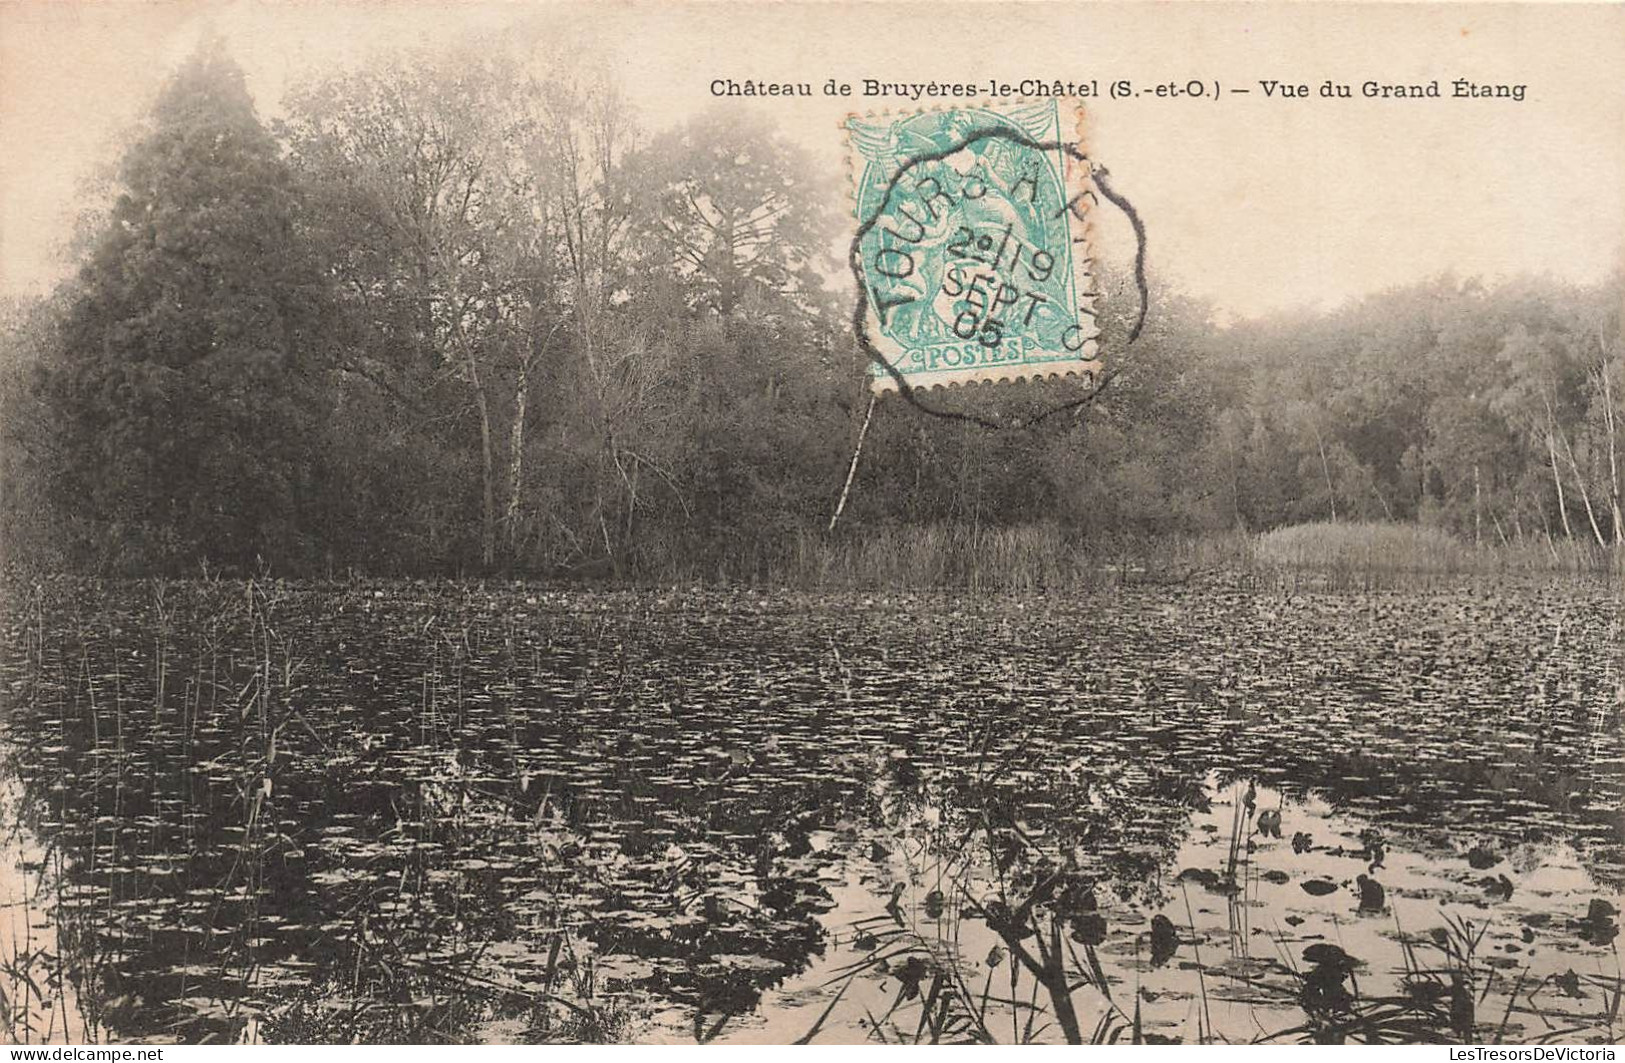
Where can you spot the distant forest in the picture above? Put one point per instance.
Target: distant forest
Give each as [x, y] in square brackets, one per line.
[442, 317]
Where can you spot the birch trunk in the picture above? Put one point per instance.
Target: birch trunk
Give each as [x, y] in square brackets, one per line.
[1326, 470]
[1585, 493]
[1612, 422]
[488, 508]
[852, 470]
[1478, 508]
[1557, 479]
[516, 457]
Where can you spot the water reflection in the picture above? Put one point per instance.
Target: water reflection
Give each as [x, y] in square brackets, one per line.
[449, 813]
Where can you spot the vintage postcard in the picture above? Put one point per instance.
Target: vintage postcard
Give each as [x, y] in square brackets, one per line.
[699, 523]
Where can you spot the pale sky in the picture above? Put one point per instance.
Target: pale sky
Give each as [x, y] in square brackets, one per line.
[1255, 203]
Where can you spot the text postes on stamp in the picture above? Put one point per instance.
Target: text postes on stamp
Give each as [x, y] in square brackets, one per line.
[971, 252]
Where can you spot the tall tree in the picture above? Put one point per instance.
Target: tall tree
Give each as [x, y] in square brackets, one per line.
[30, 341]
[426, 196]
[618, 362]
[739, 209]
[187, 388]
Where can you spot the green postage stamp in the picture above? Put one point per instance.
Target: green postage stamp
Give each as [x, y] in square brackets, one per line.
[971, 252]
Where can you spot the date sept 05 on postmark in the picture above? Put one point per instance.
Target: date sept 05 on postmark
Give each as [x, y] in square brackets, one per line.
[972, 245]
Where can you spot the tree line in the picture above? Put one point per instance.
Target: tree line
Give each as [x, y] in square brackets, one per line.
[445, 316]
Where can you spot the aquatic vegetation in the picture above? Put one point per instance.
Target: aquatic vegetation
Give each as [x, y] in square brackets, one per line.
[456, 812]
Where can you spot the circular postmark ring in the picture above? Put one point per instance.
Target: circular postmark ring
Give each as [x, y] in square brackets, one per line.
[1074, 339]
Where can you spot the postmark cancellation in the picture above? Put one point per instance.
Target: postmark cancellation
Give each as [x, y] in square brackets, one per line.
[972, 245]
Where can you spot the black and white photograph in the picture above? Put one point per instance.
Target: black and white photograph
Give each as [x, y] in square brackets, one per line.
[676, 523]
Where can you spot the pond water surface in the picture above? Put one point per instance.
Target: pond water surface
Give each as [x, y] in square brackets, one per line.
[418, 812]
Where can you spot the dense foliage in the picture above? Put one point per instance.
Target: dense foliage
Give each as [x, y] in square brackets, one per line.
[446, 317]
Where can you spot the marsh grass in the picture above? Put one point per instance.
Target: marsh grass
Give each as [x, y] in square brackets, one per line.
[1022, 559]
[1044, 557]
[48, 949]
[39, 962]
[1443, 992]
[402, 982]
[65, 922]
[1380, 554]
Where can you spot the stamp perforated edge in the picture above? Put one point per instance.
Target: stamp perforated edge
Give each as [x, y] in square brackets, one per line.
[1077, 181]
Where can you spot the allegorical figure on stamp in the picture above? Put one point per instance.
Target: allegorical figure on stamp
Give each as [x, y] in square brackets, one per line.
[966, 244]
